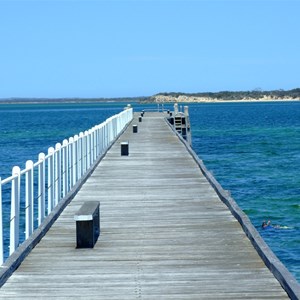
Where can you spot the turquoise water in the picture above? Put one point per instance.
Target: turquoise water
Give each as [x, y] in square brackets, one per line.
[253, 150]
[26, 130]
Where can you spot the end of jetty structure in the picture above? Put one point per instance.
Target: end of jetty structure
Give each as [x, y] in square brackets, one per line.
[181, 122]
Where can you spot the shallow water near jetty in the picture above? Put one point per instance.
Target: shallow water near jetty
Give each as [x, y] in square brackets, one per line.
[253, 150]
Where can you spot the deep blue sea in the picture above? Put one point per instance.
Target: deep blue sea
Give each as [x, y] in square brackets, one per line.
[253, 150]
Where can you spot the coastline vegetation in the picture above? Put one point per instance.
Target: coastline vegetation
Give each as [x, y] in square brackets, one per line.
[255, 94]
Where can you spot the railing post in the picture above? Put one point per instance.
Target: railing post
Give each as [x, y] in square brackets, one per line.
[57, 168]
[15, 210]
[115, 126]
[75, 159]
[29, 223]
[104, 136]
[50, 179]
[101, 139]
[65, 170]
[110, 132]
[117, 121]
[91, 134]
[41, 189]
[175, 108]
[112, 122]
[95, 143]
[88, 150]
[81, 144]
[1, 227]
[70, 162]
[91, 147]
[84, 151]
[98, 140]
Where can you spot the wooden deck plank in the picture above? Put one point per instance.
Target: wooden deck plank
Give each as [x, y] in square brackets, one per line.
[164, 234]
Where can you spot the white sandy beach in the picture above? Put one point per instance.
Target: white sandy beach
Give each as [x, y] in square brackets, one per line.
[192, 99]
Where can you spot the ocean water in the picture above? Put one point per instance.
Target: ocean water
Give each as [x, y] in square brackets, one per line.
[253, 150]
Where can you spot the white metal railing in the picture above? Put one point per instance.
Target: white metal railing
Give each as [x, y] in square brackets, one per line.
[37, 189]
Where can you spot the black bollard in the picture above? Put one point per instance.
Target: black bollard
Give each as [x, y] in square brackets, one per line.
[87, 224]
[124, 148]
[134, 128]
[140, 119]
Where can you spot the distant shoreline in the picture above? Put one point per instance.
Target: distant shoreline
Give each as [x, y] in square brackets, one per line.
[183, 98]
[66, 101]
[227, 101]
[222, 101]
[148, 102]
[256, 95]
[156, 99]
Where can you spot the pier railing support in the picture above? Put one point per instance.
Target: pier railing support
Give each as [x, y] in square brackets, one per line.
[52, 177]
[29, 200]
[1, 226]
[41, 188]
[15, 208]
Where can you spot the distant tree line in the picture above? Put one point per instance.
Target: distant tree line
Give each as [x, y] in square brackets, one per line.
[237, 95]
[223, 95]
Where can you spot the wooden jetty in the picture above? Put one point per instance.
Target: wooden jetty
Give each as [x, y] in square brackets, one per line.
[165, 233]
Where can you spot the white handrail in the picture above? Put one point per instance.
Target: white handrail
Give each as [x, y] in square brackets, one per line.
[29, 199]
[1, 225]
[49, 180]
[15, 210]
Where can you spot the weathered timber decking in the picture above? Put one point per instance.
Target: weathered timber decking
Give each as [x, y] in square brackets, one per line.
[165, 234]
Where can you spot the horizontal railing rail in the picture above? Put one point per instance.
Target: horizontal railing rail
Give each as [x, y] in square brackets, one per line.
[36, 190]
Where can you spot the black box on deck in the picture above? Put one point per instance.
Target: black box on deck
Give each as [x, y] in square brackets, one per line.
[124, 148]
[87, 224]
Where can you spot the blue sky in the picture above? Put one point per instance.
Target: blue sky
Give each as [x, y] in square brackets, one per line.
[135, 48]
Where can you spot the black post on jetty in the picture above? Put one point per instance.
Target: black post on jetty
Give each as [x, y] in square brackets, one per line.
[134, 128]
[125, 148]
[87, 224]
[140, 119]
